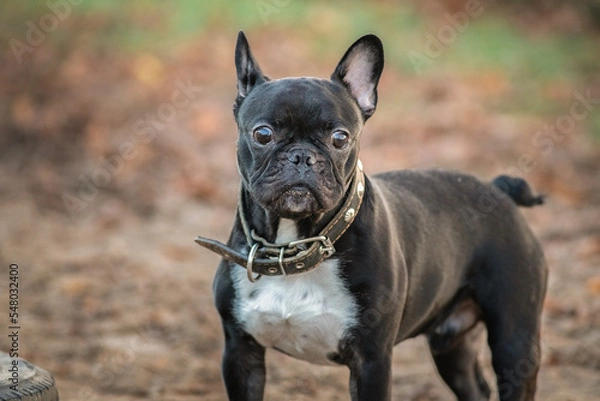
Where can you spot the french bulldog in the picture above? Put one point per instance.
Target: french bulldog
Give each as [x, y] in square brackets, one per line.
[333, 267]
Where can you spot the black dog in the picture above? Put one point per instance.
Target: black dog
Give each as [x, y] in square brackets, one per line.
[332, 267]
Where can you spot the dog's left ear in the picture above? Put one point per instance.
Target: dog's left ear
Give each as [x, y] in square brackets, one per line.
[360, 69]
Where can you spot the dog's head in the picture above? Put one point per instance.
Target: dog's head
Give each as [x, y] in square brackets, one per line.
[299, 137]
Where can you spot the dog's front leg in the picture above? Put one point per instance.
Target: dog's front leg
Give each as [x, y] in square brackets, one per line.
[370, 379]
[243, 365]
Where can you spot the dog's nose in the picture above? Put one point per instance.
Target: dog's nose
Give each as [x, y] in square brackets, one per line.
[301, 157]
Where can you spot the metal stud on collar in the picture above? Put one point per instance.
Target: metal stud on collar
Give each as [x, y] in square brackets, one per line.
[349, 215]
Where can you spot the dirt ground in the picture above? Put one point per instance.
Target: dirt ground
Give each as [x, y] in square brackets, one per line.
[116, 298]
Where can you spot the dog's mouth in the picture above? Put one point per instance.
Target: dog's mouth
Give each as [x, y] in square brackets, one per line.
[291, 194]
[296, 202]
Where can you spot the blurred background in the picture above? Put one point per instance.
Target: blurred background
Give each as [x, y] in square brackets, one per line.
[117, 148]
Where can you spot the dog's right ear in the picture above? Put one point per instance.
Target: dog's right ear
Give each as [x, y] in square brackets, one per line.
[248, 72]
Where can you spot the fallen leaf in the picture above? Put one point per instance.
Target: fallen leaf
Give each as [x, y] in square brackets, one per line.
[593, 285]
[148, 69]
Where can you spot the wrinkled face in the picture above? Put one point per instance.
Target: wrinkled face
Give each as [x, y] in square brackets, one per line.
[298, 145]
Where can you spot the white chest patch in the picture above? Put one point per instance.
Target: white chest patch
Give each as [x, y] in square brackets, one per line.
[304, 315]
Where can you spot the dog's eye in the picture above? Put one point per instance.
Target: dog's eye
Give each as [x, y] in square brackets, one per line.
[339, 139]
[263, 135]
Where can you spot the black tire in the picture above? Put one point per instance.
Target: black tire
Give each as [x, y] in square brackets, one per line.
[33, 383]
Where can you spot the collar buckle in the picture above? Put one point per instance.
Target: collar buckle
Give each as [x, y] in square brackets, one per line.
[326, 249]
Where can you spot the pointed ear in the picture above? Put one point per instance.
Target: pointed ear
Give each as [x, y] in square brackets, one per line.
[360, 69]
[248, 72]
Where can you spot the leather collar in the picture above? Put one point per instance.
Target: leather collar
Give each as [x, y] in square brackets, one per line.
[267, 259]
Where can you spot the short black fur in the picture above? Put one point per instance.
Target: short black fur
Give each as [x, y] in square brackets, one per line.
[430, 252]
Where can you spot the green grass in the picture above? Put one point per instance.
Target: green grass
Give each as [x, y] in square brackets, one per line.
[594, 125]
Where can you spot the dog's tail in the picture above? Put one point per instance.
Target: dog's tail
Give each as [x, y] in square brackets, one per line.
[518, 190]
